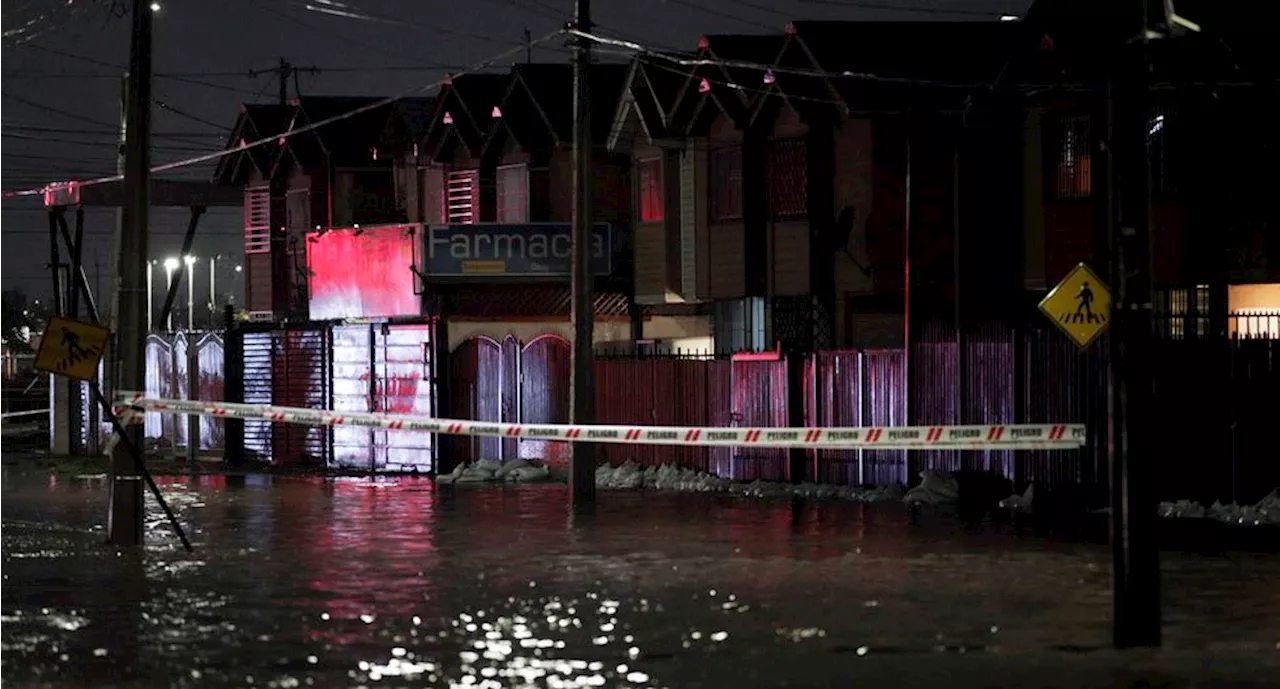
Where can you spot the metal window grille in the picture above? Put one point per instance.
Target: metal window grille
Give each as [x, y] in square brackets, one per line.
[257, 220]
[513, 194]
[649, 176]
[460, 197]
[1073, 162]
[788, 179]
[726, 183]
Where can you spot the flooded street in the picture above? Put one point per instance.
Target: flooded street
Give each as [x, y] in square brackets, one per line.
[346, 582]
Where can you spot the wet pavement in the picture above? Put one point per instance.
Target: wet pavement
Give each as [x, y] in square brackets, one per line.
[396, 582]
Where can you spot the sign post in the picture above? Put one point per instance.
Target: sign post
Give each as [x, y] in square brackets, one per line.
[74, 349]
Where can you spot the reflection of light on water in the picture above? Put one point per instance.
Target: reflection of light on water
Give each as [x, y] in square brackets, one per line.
[518, 649]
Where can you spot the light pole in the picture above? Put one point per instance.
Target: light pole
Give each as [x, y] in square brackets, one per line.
[213, 293]
[151, 297]
[191, 292]
[170, 265]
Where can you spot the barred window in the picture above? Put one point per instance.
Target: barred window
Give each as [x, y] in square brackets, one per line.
[1072, 158]
[788, 179]
[461, 188]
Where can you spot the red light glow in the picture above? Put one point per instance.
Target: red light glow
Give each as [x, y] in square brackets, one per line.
[361, 273]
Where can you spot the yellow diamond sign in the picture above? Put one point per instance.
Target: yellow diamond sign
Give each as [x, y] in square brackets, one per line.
[1080, 305]
[71, 348]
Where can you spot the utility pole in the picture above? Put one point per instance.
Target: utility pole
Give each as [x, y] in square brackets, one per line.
[528, 46]
[124, 524]
[283, 71]
[1136, 559]
[582, 463]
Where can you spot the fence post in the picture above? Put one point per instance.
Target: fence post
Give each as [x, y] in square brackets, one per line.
[232, 387]
[193, 393]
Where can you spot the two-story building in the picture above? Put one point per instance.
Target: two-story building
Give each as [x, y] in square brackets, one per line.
[329, 251]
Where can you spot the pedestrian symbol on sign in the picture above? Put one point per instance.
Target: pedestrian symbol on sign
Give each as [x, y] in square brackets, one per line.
[1084, 311]
[72, 349]
[1080, 305]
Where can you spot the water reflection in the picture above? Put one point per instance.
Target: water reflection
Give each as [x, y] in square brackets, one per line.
[350, 582]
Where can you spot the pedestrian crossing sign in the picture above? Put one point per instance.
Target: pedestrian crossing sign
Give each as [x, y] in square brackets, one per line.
[1080, 305]
[71, 348]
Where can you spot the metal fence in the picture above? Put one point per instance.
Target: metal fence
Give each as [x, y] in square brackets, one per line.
[168, 374]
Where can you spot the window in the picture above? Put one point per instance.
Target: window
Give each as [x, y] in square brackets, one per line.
[740, 325]
[1072, 168]
[788, 179]
[257, 220]
[649, 189]
[513, 194]
[726, 183]
[1177, 316]
[460, 197]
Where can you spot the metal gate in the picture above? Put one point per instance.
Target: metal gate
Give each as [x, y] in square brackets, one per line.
[377, 367]
[382, 368]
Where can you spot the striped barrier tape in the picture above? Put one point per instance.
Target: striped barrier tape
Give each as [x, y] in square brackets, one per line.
[1059, 436]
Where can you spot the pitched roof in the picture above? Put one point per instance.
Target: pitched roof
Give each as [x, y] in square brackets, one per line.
[551, 87]
[731, 89]
[468, 100]
[255, 122]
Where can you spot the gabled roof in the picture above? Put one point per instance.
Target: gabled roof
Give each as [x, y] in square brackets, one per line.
[350, 137]
[255, 122]
[468, 101]
[416, 114]
[537, 106]
[729, 89]
[648, 99]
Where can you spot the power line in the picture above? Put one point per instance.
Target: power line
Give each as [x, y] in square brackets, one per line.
[864, 5]
[172, 76]
[379, 103]
[97, 132]
[74, 116]
[165, 106]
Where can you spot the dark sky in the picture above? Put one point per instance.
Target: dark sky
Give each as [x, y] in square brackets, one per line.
[62, 61]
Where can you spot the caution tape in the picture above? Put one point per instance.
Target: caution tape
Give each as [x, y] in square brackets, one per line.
[1061, 436]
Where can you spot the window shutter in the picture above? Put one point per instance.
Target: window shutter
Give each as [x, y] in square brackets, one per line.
[257, 220]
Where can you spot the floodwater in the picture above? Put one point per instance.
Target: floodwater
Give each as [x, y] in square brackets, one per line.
[299, 582]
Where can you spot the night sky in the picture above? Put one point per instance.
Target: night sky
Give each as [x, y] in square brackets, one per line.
[62, 63]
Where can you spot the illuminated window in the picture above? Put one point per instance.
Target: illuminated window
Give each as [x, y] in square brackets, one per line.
[461, 197]
[649, 189]
[1071, 160]
[726, 183]
[1177, 316]
[788, 178]
[513, 194]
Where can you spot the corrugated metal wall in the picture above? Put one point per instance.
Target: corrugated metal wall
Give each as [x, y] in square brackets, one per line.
[665, 392]
[759, 399]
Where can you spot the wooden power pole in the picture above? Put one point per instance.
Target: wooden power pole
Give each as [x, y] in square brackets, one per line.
[582, 477]
[125, 517]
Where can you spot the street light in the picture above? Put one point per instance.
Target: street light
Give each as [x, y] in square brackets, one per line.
[170, 265]
[191, 292]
